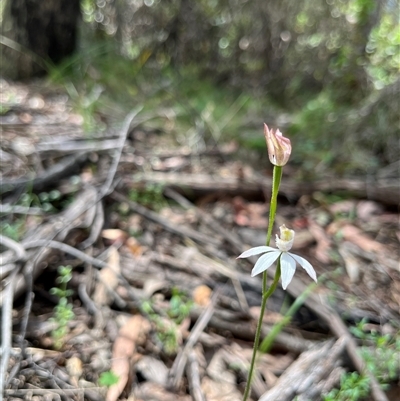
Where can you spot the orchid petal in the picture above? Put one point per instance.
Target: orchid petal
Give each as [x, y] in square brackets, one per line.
[256, 251]
[288, 268]
[306, 265]
[264, 262]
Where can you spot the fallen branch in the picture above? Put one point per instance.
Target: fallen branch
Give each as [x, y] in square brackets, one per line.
[383, 191]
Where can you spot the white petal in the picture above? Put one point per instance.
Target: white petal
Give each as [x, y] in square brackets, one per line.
[256, 251]
[264, 262]
[288, 267]
[306, 265]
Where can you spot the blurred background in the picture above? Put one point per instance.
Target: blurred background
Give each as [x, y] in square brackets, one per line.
[325, 72]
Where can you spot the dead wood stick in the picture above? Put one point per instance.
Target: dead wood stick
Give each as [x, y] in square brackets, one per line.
[20, 254]
[216, 226]
[77, 145]
[193, 376]
[311, 367]
[6, 329]
[81, 205]
[105, 190]
[53, 174]
[58, 227]
[156, 218]
[178, 367]
[386, 192]
[96, 228]
[245, 330]
[16, 209]
[339, 329]
[92, 393]
[65, 248]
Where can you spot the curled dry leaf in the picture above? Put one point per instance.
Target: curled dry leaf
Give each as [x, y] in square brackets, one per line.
[114, 235]
[351, 263]
[357, 237]
[74, 368]
[129, 336]
[323, 242]
[250, 214]
[108, 279]
[135, 247]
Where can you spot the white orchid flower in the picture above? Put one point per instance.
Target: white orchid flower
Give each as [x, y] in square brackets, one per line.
[288, 260]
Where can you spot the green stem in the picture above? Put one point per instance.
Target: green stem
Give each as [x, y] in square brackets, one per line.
[265, 297]
[276, 180]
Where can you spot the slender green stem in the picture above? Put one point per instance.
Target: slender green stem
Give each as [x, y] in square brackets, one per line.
[265, 297]
[276, 180]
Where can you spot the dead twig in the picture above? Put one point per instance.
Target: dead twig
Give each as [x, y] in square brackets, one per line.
[16, 209]
[65, 248]
[20, 254]
[311, 367]
[156, 218]
[339, 329]
[6, 328]
[386, 192]
[193, 376]
[54, 174]
[176, 372]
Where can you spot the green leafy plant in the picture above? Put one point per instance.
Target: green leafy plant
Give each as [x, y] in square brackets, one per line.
[352, 388]
[166, 322]
[380, 353]
[13, 229]
[108, 379]
[151, 196]
[63, 313]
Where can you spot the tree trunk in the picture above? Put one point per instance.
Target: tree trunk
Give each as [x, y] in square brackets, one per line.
[37, 32]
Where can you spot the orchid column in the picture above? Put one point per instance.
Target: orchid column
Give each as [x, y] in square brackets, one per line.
[279, 150]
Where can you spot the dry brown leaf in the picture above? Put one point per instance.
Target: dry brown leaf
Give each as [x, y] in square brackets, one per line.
[114, 235]
[342, 207]
[108, 279]
[357, 237]
[220, 391]
[131, 334]
[250, 214]
[135, 247]
[323, 242]
[155, 392]
[367, 209]
[351, 263]
[202, 295]
[74, 368]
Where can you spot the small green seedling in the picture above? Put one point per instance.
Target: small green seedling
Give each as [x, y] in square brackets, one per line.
[151, 196]
[63, 313]
[108, 378]
[381, 358]
[353, 387]
[167, 323]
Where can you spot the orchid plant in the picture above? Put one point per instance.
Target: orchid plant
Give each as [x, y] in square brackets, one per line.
[279, 150]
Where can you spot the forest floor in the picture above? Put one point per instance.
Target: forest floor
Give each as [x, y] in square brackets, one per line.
[152, 303]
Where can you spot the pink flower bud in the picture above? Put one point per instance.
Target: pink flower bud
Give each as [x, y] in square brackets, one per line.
[279, 147]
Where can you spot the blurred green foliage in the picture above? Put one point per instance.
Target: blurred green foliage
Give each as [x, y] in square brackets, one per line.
[210, 71]
[63, 313]
[108, 379]
[381, 355]
[167, 321]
